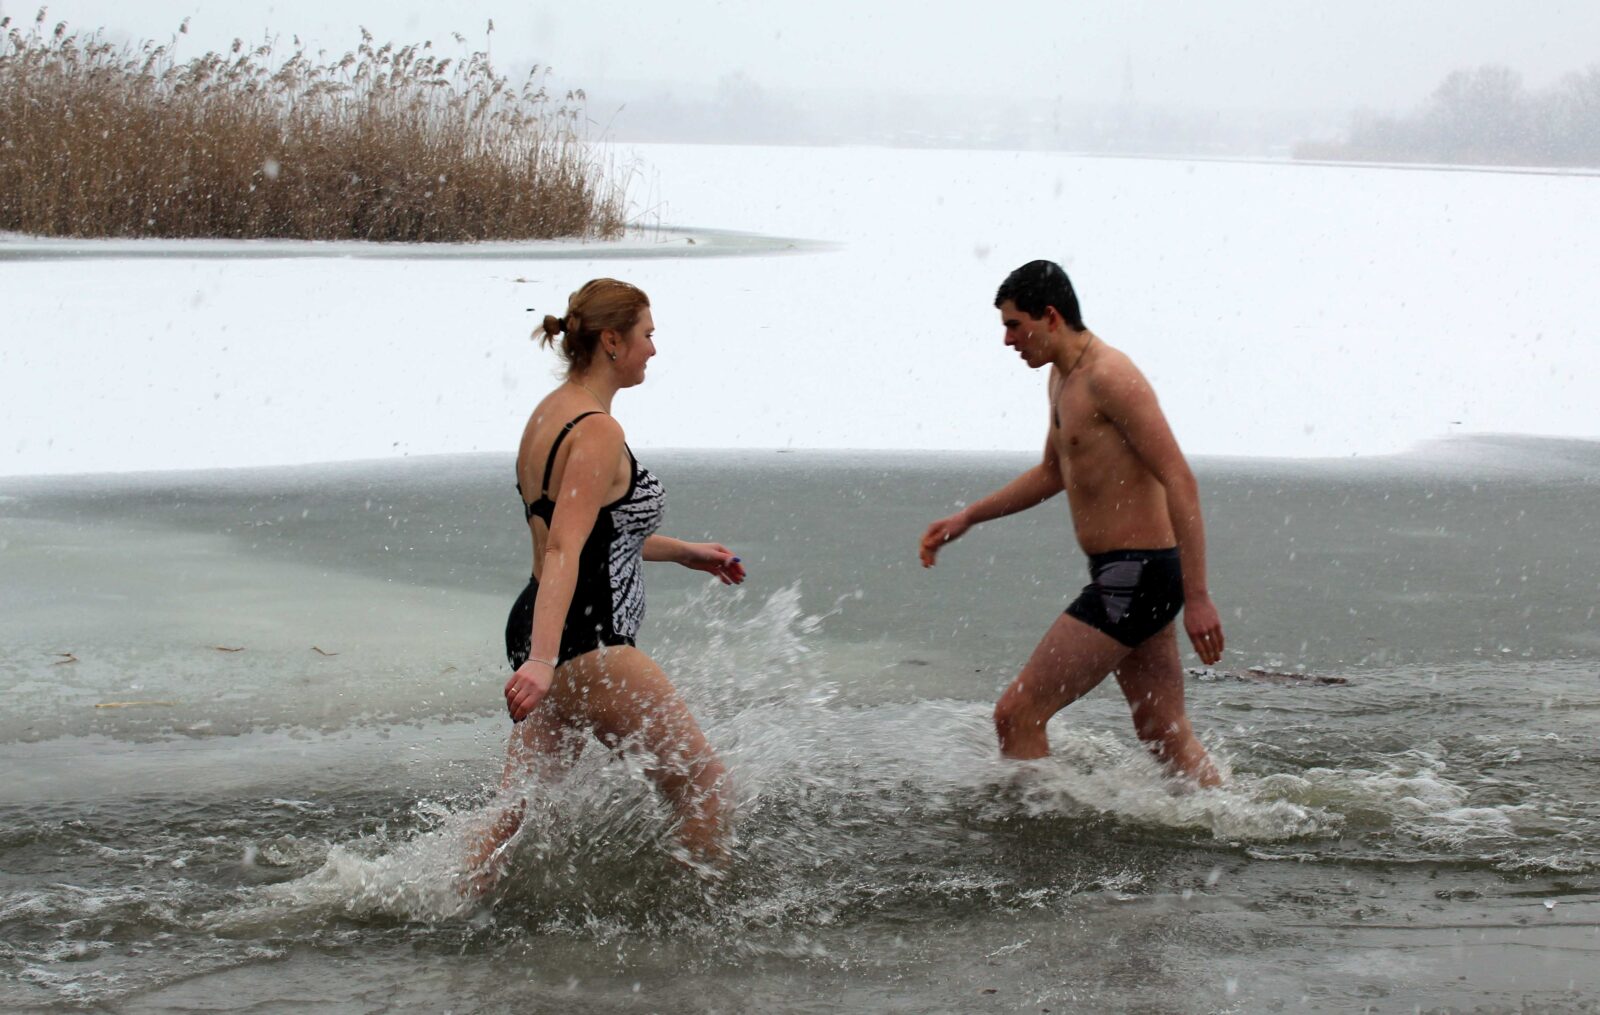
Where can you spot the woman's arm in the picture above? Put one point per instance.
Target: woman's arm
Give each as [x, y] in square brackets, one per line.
[664, 548]
[597, 447]
[712, 558]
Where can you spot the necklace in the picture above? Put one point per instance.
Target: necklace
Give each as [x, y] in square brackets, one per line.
[600, 401]
[1055, 413]
[1081, 355]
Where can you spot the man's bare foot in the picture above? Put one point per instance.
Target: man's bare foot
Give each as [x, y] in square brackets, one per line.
[1199, 773]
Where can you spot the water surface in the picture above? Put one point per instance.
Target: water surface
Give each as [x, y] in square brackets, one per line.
[305, 667]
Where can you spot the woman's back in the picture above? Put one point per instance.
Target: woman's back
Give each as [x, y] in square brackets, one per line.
[553, 431]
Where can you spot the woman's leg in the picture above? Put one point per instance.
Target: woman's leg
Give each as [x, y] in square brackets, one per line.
[626, 698]
[542, 745]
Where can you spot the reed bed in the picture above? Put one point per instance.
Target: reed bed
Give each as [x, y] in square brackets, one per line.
[386, 143]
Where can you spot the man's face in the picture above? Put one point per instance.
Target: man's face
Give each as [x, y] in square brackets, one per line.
[1026, 334]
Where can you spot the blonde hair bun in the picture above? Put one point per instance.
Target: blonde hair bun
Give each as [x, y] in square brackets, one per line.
[602, 304]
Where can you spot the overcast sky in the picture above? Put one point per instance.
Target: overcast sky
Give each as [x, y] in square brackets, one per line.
[1244, 54]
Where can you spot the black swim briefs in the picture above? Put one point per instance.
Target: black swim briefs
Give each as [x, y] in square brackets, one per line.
[1132, 594]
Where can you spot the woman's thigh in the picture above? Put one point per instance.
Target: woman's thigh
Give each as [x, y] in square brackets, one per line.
[623, 696]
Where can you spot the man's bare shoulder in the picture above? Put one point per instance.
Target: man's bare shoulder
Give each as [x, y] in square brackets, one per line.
[1119, 388]
[1112, 369]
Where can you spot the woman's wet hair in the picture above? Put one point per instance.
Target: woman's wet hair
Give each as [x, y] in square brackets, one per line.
[1038, 285]
[602, 303]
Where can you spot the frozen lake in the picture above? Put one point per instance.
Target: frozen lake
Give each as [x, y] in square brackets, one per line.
[1281, 310]
[253, 713]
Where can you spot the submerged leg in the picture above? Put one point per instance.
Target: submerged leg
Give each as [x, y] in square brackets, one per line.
[1152, 680]
[1068, 663]
[629, 700]
[540, 745]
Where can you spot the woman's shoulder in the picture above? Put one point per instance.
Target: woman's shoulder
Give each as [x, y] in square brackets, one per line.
[572, 422]
[590, 426]
[560, 408]
[601, 426]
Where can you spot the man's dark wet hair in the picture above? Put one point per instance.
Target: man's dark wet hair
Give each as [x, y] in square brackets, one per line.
[1040, 284]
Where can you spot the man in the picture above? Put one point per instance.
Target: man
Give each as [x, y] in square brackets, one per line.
[1136, 511]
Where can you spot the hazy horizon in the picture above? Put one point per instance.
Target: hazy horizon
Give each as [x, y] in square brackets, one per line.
[1249, 79]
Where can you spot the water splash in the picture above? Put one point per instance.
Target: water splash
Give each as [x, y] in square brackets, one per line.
[851, 812]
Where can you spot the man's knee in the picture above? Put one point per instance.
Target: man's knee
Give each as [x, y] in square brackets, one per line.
[1015, 716]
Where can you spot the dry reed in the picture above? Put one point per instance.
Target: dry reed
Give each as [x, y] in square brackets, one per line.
[391, 144]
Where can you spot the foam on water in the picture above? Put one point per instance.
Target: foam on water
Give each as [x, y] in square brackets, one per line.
[848, 815]
[841, 810]
[823, 787]
[415, 879]
[1410, 799]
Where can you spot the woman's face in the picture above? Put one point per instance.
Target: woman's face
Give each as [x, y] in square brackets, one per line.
[635, 350]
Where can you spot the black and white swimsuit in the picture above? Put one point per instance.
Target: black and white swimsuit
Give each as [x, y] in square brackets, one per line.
[608, 598]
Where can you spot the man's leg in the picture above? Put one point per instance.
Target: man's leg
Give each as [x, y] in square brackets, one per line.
[1067, 664]
[1152, 680]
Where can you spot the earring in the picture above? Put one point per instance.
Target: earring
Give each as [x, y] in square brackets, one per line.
[612, 355]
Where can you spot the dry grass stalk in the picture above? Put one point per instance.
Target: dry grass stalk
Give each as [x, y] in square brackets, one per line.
[392, 144]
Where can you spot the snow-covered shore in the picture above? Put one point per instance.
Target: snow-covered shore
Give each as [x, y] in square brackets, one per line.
[1280, 309]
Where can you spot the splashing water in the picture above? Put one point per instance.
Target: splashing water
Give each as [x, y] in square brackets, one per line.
[254, 838]
[840, 810]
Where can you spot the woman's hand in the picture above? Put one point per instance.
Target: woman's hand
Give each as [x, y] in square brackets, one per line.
[527, 687]
[713, 559]
[945, 530]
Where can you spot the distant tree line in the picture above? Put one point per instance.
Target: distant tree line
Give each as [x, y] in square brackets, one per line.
[1483, 116]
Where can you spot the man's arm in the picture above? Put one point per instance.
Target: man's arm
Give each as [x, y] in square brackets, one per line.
[1035, 486]
[1129, 402]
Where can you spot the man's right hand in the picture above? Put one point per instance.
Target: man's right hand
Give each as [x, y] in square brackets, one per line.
[945, 530]
[1204, 627]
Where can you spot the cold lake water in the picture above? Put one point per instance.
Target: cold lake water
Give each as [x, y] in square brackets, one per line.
[252, 714]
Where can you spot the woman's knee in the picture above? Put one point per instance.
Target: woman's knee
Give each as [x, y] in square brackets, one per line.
[687, 770]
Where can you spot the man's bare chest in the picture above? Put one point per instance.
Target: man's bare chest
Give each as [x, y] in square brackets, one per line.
[1074, 421]
[1085, 441]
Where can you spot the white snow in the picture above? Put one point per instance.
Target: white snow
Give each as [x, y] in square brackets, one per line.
[1280, 309]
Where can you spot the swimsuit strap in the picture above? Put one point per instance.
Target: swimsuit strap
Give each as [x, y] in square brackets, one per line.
[550, 463]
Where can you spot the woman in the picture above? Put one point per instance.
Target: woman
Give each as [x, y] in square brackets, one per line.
[592, 511]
